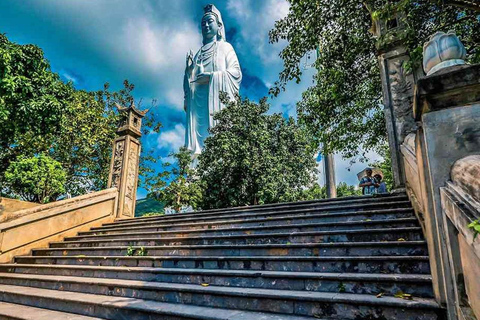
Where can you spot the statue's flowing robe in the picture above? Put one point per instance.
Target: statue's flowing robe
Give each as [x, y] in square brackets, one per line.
[202, 100]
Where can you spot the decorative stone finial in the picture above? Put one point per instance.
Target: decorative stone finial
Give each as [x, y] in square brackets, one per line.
[131, 122]
[442, 51]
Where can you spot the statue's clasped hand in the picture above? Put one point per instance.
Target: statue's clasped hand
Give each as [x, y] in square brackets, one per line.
[203, 78]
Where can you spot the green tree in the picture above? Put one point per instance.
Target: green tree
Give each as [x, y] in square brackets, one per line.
[345, 190]
[177, 185]
[38, 179]
[319, 192]
[32, 101]
[42, 114]
[342, 108]
[255, 158]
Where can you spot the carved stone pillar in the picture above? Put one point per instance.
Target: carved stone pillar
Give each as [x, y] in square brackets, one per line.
[397, 85]
[125, 160]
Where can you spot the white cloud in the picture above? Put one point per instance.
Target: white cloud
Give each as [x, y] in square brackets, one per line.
[69, 77]
[240, 8]
[256, 20]
[172, 139]
[158, 52]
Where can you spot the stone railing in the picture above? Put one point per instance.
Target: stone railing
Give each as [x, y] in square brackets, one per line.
[37, 226]
[460, 200]
[9, 208]
[441, 164]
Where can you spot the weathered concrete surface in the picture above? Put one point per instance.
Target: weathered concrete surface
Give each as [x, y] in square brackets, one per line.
[10, 207]
[447, 108]
[413, 183]
[464, 250]
[451, 87]
[466, 174]
[471, 268]
[40, 225]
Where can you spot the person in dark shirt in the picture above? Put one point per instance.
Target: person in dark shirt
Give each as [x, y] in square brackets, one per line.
[380, 186]
[367, 183]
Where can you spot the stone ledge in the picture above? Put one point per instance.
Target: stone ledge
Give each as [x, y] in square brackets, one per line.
[451, 87]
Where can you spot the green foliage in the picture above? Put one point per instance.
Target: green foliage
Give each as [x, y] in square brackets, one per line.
[315, 192]
[344, 190]
[42, 114]
[38, 179]
[254, 158]
[153, 214]
[342, 108]
[142, 252]
[148, 206]
[32, 101]
[318, 192]
[475, 226]
[177, 185]
[385, 165]
[130, 251]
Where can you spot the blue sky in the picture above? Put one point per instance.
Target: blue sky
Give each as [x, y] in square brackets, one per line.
[145, 41]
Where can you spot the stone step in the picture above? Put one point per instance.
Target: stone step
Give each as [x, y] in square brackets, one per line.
[284, 206]
[120, 308]
[386, 214]
[366, 235]
[283, 228]
[350, 264]
[344, 205]
[258, 215]
[419, 285]
[12, 311]
[387, 248]
[261, 300]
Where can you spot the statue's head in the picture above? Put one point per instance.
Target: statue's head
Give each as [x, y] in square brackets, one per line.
[212, 24]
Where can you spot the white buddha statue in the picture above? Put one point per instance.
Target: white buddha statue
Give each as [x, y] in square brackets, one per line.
[214, 69]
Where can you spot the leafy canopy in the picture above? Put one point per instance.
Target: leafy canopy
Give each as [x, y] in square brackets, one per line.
[177, 185]
[38, 179]
[40, 114]
[342, 108]
[254, 158]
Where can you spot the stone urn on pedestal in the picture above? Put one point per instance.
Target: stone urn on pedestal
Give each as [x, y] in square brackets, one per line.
[442, 51]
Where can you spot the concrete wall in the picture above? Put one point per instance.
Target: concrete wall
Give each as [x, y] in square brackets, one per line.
[40, 225]
[464, 251]
[442, 169]
[10, 207]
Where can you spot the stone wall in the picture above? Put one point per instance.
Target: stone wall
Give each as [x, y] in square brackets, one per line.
[442, 169]
[10, 207]
[38, 226]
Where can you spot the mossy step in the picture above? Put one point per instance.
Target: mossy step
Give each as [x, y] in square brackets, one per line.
[386, 248]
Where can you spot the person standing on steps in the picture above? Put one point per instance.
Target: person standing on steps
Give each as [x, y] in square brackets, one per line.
[367, 183]
[380, 186]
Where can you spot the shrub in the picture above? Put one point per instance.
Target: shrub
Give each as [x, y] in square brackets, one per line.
[37, 179]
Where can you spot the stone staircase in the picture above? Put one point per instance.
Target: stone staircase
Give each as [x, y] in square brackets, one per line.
[328, 259]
